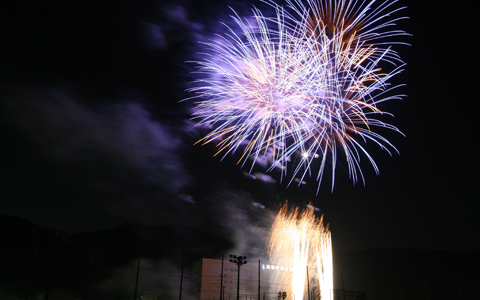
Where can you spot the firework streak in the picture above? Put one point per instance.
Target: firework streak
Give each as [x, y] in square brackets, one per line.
[301, 89]
[299, 240]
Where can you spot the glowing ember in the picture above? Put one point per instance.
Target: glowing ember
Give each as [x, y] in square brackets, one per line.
[300, 240]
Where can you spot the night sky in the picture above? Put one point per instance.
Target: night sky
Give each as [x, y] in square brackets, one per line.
[93, 133]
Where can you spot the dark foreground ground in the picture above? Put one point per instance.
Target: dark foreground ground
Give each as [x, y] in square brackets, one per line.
[104, 265]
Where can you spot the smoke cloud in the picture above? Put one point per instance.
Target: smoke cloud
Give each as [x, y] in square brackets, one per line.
[115, 151]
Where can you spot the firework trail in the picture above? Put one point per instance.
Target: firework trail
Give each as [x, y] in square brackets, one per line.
[300, 240]
[300, 87]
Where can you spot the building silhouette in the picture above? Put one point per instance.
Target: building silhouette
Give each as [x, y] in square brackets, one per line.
[208, 283]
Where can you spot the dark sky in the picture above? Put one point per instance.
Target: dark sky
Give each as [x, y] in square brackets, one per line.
[93, 133]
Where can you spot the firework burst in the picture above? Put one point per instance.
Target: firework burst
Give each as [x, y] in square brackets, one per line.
[298, 87]
[300, 240]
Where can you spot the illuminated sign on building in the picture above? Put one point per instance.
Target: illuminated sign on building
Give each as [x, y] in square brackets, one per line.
[274, 267]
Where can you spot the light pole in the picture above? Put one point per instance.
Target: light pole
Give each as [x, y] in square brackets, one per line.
[57, 238]
[239, 260]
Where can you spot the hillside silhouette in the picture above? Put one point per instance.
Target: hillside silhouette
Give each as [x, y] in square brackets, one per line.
[104, 265]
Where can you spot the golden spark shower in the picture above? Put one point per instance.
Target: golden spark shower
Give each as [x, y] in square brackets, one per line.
[301, 242]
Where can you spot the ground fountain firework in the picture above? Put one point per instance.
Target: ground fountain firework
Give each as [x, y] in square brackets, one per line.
[301, 89]
[300, 241]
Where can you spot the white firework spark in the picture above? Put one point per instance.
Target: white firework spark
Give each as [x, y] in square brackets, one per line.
[300, 240]
[301, 85]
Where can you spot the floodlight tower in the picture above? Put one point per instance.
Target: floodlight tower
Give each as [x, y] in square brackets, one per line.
[239, 260]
